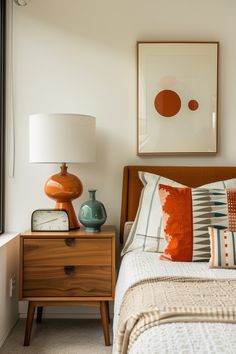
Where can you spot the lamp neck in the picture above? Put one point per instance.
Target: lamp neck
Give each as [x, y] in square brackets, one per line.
[63, 169]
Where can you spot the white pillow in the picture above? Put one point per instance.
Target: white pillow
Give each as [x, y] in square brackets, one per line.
[147, 232]
[127, 228]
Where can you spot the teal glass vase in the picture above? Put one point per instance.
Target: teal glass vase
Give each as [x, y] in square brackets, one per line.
[92, 213]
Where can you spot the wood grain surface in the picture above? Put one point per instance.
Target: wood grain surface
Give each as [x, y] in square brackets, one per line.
[67, 268]
[57, 281]
[56, 252]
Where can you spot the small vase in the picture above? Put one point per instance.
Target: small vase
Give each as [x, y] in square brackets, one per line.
[92, 213]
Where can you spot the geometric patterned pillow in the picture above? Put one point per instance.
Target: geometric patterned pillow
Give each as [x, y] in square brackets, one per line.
[187, 214]
[223, 248]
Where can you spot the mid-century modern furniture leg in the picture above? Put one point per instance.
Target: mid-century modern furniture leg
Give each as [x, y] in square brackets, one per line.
[29, 322]
[108, 311]
[105, 323]
[39, 314]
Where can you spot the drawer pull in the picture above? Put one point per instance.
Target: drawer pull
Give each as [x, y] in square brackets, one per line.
[69, 270]
[70, 242]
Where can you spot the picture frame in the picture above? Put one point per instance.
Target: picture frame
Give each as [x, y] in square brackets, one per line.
[177, 98]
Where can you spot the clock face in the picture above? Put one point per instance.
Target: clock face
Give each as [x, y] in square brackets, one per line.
[49, 220]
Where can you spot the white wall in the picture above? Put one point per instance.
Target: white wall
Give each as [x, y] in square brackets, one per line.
[8, 305]
[80, 56]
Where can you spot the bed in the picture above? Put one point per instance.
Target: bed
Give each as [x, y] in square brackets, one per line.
[175, 336]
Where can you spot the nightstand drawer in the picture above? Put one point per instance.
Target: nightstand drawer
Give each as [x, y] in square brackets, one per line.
[57, 252]
[67, 281]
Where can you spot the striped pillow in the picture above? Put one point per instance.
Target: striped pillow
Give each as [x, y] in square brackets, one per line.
[223, 248]
[147, 232]
[188, 212]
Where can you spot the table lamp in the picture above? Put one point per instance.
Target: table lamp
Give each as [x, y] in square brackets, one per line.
[62, 138]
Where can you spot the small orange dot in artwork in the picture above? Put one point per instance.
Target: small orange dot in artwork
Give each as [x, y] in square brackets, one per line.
[226, 264]
[226, 254]
[226, 245]
[225, 237]
[193, 105]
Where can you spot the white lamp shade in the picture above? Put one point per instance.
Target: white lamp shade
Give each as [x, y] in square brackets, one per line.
[62, 138]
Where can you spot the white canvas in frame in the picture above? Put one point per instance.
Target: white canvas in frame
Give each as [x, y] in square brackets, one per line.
[177, 98]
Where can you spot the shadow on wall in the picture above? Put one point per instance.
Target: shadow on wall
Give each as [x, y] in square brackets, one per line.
[105, 174]
[104, 22]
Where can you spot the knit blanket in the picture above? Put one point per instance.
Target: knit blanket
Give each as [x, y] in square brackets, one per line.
[157, 301]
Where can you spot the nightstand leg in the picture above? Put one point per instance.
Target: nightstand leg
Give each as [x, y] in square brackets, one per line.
[105, 323]
[39, 314]
[29, 323]
[108, 312]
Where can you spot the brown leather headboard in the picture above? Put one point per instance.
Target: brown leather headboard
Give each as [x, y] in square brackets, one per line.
[189, 176]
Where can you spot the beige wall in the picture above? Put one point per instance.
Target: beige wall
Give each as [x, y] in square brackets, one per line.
[8, 305]
[80, 56]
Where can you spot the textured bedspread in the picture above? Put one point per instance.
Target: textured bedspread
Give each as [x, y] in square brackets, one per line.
[160, 300]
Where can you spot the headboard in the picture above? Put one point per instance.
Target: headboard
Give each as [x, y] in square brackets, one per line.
[189, 176]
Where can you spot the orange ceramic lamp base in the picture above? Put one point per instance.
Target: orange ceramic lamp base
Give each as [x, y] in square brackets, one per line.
[63, 188]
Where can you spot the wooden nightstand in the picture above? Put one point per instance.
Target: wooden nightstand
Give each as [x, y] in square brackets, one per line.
[67, 268]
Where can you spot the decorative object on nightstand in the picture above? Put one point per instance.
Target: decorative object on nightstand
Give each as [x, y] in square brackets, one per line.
[80, 272]
[92, 213]
[62, 138]
[49, 220]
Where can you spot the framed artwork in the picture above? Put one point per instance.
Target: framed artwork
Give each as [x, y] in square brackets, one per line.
[177, 98]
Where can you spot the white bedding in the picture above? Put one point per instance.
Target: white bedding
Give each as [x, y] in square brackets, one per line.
[184, 338]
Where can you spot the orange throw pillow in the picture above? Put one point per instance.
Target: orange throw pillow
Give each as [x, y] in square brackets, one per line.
[187, 214]
[178, 224]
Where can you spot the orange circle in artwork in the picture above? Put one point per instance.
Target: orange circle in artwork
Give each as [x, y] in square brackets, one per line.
[167, 103]
[193, 105]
